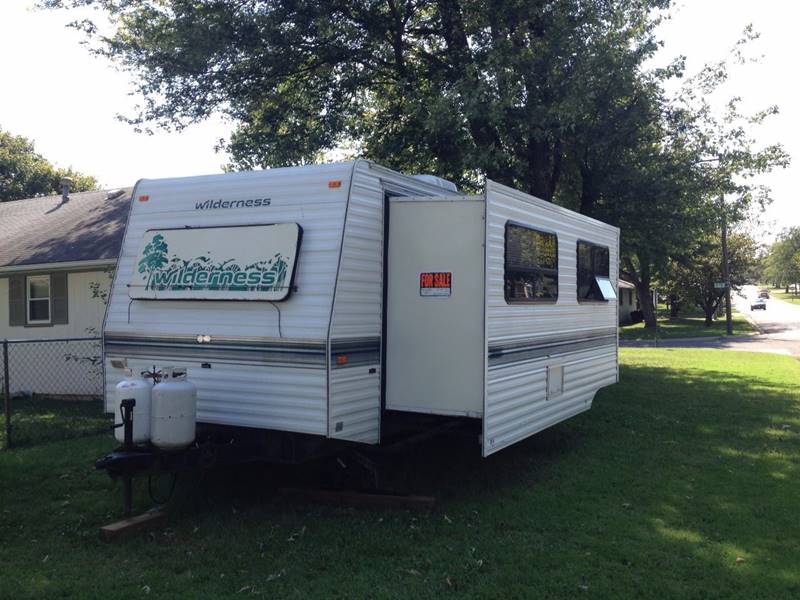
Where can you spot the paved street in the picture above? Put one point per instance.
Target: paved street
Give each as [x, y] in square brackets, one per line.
[779, 325]
[780, 321]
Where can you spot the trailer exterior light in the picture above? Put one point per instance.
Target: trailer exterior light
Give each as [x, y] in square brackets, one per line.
[335, 183]
[341, 359]
[144, 198]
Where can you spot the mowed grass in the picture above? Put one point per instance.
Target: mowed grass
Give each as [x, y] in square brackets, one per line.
[681, 482]
[690, 323]
[39, 419]
[781, 295]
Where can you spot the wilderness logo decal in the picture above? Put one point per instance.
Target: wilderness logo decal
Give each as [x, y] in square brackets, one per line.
[216, 263]
[200, 273]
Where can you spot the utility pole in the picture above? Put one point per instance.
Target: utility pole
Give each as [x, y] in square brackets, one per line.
[726, 275]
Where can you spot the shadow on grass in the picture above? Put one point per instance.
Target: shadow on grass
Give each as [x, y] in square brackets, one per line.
[678, 483]
[689, 324]
[39, 419]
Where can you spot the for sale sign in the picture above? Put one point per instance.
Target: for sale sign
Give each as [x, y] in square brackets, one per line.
[436, 283]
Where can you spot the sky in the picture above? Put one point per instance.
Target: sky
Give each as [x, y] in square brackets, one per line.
[67, 101]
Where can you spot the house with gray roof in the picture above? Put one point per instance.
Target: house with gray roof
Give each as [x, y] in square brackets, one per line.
[57, 255]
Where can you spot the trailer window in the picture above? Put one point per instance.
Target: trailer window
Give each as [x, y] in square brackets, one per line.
[593, 273]
[531, 265]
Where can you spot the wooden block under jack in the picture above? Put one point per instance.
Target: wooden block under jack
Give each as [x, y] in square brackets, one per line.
[361, 499]
[150, 520]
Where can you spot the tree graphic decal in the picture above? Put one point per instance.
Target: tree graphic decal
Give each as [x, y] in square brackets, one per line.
[154, 257]
[279, 268]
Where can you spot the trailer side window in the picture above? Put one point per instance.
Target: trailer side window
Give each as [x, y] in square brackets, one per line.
[593, 273]
[531, 265]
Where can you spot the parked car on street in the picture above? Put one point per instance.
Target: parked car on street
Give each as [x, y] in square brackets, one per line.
[758, 303]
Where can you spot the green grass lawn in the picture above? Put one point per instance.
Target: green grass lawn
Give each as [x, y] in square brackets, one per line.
[781, 295]
[41, 419]
[690, 323]
[681, 482]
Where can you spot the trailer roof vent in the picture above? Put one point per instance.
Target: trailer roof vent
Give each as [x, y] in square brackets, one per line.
[437, 181]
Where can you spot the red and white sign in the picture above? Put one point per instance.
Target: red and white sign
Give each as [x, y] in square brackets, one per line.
[435, 284]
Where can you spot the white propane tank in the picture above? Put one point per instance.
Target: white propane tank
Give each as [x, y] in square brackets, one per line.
[138, 388]
[174, 411]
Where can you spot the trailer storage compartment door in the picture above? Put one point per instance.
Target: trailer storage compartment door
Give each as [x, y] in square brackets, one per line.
[434, 341]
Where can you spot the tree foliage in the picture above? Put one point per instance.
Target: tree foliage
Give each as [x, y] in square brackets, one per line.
[782, 263]
[459, 88]
[692, 278]
[553, 98]
[692, 169]
[26, 174]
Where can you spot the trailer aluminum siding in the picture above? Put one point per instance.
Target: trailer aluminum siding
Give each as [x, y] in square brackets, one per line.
[544, 361]
[271, 365]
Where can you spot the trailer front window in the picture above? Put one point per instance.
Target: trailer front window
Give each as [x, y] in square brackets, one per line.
[531, 265]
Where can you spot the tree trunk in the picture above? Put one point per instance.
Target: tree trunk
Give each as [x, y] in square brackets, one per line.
[642, 283]
[646, 304]
[541, 174]
[710, 306]
[480, 126]
[673, 306]
[589, 192]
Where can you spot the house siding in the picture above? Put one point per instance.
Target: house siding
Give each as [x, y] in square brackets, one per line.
[85, 313]
[627, 303]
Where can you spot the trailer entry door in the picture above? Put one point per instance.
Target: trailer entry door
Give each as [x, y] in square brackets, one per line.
[434, 356]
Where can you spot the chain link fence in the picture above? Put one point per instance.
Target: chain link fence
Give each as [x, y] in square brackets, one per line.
[51, 390]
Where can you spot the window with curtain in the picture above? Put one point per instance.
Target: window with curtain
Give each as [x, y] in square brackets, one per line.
[531, 265]
[38, 300]
[593, 273]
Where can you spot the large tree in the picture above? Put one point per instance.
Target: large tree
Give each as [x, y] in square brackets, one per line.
[460, 88]
[679, 173]
[782, 263]
[25, 174]
[694, 277]
[552, 97]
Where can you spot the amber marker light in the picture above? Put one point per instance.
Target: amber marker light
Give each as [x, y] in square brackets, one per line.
[341, 359]
[335, 183]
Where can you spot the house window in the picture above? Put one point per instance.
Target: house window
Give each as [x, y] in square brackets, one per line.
[531, 265]
[38, 299]
[593, 273]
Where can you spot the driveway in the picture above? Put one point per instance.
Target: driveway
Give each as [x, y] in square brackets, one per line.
[779, 325]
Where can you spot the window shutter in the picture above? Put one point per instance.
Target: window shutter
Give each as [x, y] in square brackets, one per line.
[58, 298]
[16, 300]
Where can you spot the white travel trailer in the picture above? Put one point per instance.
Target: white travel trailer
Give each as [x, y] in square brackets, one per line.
[330, 300]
